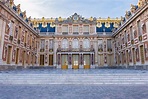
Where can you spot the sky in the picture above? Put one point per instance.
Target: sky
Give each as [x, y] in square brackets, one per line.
[66, 8]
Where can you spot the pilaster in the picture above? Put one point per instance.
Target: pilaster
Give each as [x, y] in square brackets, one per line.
[55, 54]
[2, 33]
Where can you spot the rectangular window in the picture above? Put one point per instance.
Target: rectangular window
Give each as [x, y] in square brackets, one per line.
[75, 29]
[100, 44]
[86, 29]
[30, 40]
[139, 27]
[20, 30]
[128, 36]
[146, 27]
[125, 37]
[50, 44]
[65, 29]
[25, 37]
[131, 32]
[42, 44]
[11, 26]
[109, 44]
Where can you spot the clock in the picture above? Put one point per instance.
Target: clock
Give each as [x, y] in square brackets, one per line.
[75, 17]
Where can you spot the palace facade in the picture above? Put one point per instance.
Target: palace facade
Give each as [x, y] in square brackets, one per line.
[74, 42]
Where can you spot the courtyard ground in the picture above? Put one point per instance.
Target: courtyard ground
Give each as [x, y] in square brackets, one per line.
[21, 84]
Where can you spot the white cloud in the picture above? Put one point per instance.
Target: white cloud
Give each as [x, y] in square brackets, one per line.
[65, 8]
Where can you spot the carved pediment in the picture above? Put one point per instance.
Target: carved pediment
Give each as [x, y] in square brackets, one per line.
[76, 19]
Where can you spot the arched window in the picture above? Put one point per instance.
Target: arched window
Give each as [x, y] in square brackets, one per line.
[86, 43]
[100, 44]
[64, 43]
[75, 43]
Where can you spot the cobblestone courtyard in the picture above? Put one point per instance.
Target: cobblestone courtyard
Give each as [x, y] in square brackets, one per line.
[73, 92]
[19, 84]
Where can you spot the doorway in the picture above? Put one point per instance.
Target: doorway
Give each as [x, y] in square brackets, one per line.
[9, 54]
[127, 57]
[134, 57]
[75, 61]
[23, 57]
[64, 62]
[86, 61]
[101, 60]
[50, 60]
[42, 60]
[142, 54]
[109, 59]
[17, 56]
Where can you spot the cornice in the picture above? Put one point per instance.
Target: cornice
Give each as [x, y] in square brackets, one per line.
[76, 19]
[17, 17]
[131, 19]
[73, 36]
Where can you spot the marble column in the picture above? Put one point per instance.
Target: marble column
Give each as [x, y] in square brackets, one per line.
[55, 52]
[80, 60]
[70, 61]
[90, 59]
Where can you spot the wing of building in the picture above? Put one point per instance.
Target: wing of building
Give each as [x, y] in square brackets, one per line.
[73, 42]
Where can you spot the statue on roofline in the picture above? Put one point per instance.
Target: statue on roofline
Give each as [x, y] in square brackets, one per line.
[133, 8]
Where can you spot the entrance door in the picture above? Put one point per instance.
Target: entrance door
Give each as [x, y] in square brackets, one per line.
[142, 54]
[29, 57]
[23, 58]
[101, 59]
[42, 60]
[50, 60]
[9, 54]
[127, 57]
[64, 62]
[134, 60]
[109, 59]
[75, 61]
[122, 58]
[33, 60]
[17, 56]
[86, 61]
[118, 59]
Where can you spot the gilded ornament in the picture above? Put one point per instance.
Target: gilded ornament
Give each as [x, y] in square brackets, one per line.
[133, 8]
[99, 24]
[59, 19]
[91, 19]
[44, 24]
[11, 3]
[24, 15]
[116, 25]
[18, 9]
[52, 24]
[107, 24]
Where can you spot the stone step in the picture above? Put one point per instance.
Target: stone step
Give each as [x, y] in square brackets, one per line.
[146, 78]
[74, 82]
[70, 77]
[73, 79]
[64, 75]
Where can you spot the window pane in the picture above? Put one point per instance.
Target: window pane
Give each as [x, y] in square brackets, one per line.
[75, 28]
[65, 43]
[86, 28]
[65, 28]
[42, 44]
[109, 43]
[75, 43]
[86, 43]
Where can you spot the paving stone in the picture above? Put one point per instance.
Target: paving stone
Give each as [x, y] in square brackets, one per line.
[71, 84]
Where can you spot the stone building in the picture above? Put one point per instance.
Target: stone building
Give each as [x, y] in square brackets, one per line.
[73, 42]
